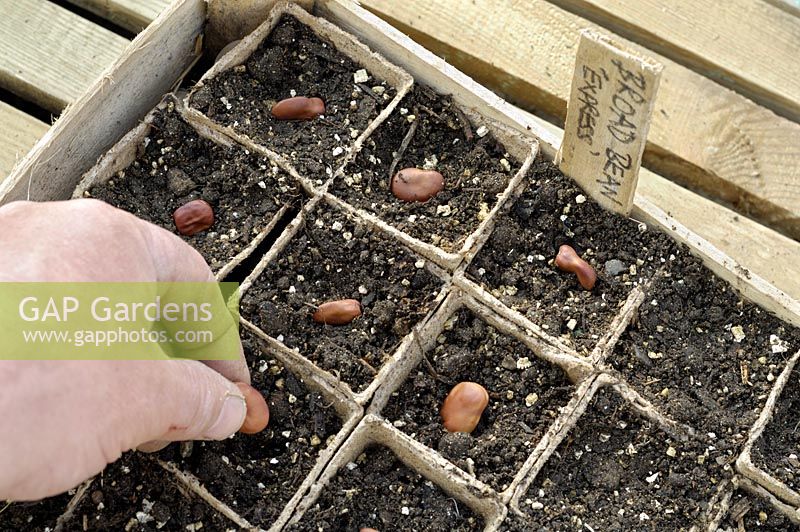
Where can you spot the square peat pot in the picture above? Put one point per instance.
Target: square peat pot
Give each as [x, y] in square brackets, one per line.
[634, 405]
[516, 265]
[481, 163]
[618, 464]
[171, 159]
[527, 387]
[293, 54]
[332, 255]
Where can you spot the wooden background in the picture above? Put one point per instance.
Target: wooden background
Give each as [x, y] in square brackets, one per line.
[723, 153]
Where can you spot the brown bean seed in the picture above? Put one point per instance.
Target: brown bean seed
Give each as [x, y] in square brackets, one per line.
[569, 261]
[257, 417]
[339, 312]
[298, 108]
[463, 406]
[414, 184]
[193, 217]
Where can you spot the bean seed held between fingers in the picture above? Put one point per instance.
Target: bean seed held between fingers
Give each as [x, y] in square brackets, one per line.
[339, 312]
[298, 108]
[257, 417]
[569, 261]
[463, 406]
[193, 217]
[414, 184]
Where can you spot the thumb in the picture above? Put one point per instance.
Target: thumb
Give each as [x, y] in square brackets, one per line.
[187, 400]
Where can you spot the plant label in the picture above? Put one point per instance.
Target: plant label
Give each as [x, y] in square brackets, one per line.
[608, 115]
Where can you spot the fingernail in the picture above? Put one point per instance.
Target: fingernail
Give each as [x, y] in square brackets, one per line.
[230, 418]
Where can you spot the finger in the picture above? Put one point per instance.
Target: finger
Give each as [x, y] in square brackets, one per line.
[186, 400]
[176, 261]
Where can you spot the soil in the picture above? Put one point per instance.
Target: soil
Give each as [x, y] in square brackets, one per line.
[471, 350]
[34, 516]
[176, 165]
[516, 264]
[333, 258]
[444, 140]
[777, 450]
[294, 61]
[378, 491]
[682, 353]
[136, 494]
[614, 472]
[754, 513]
[256, 475]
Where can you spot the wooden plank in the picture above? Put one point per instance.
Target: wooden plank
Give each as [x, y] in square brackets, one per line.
[49, 55]
[703, 135]
[763, 253]
[789, 6]
[608, 115]
[111, 107]
[747, 45]
[18, 133]
[133, 15]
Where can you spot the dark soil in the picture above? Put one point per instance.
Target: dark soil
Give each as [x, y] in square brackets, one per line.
[291, 61]
[603, 476]
[516, 264]
[137, 494]
[471, 350]
[682, 355]
[471, 167]
[333, 258]
[382, 493]
[256, 475]
[779, 446]
[175, 165]
[754, 513]
[34, 516]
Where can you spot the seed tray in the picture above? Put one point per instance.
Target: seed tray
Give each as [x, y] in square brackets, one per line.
[586, 357]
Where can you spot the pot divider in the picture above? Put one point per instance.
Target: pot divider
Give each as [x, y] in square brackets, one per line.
[555, 435]
[297, 223]
[571, 415]
[190, 482]
[573, 365]
[484, 297]
[441, 258]
[74, 502]
[375, 431]
[745, 465]
[344, 42]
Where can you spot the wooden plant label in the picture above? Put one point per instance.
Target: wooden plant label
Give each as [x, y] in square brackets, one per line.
[608, 115]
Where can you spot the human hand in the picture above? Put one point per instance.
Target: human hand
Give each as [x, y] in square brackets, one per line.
[64, 421]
